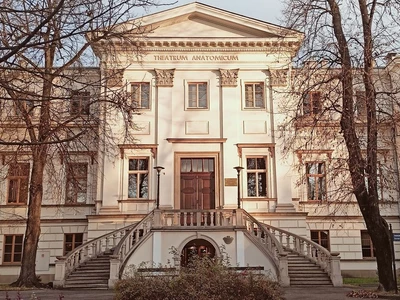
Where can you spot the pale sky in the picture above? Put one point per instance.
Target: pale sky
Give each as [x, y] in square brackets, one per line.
[265, 10]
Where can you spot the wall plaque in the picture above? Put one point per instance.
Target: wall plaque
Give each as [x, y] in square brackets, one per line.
[230, 181]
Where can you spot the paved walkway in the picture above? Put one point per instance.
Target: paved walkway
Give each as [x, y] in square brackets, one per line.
[291, 293]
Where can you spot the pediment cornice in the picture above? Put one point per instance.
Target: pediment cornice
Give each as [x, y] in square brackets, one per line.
[172, 45]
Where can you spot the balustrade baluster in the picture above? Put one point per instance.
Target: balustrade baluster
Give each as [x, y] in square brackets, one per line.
[281, 237]
[309, 250]
[137, 235]
[212, 218]
[301, 247]
[107, 244]
[218, 217]
[191, 219]
[185, 219]
[93, 250]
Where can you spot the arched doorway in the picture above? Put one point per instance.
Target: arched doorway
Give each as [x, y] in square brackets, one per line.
[199, 247]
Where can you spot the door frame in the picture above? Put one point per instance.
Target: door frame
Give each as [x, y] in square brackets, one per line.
[177, 174]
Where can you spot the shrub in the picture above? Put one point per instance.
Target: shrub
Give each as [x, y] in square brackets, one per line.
[204, 278]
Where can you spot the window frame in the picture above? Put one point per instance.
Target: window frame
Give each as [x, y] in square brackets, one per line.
[13, 245]
[371, 247]
[318, 177]
[19, 178]
[320, 239]
[257, 172]
[254, 98]
[188, 101]
[75, 181]
[360, 104]
[129, 172]
[79, 103]
[73, 242]
[138, 102]
[315, 105]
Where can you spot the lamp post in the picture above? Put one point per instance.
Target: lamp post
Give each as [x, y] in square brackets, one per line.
[238, 169]
[158, 169]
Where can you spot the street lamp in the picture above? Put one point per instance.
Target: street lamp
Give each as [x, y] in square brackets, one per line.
[158, 169]
[238, 169]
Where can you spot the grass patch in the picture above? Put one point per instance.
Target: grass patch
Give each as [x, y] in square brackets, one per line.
[360, 281]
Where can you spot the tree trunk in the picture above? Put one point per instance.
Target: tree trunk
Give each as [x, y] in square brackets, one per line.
[380, 235]
[27, 275]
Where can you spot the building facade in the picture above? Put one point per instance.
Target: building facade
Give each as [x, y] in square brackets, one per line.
[211, 90]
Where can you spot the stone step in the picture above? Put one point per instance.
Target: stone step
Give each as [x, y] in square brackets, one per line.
[304, 282]
[88, 272]
[87, 281]
[94, 267]
[88, 275]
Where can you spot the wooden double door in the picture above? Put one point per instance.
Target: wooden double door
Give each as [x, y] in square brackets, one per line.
[197, 184]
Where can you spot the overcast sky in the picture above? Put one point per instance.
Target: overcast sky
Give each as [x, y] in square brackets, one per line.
[266, 10]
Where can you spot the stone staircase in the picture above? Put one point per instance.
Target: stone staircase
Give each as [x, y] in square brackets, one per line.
[94, 274]
[303, 272]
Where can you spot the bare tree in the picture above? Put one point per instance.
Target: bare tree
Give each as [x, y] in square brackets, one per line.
[344, 40]
[53, 105]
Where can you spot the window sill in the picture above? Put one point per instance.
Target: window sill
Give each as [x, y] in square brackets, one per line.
[258, 199]
[136, 200]
[254, 108]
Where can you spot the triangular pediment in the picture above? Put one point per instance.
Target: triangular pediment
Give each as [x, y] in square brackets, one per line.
[197, 20]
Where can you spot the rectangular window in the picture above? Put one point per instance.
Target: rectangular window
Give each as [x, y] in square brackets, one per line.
[76, 189]
[13, 248]
[256, 177]
[71, 241]
[18, 183]
[197, 95]
[26, 105]
[361, 104]
[254, 95]
[141, 94]
[80, 102]
[367, 248]
[316, 181]
[321, 237]
[312, 104]
[138, 178]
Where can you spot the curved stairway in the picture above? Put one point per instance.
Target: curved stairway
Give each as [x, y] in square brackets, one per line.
[93, 274]
[303, 272]
[99, 263]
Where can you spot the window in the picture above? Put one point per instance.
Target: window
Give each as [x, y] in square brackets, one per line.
[367, 248]
[312, 104]
[18, 182]
[71, 241]
[361, 104]
[256, 177]
[321, 237]
[316, 181]
[254, 95]
[80, 102]
[141, 94]
[197, 95]
[13, 248]
[138, 178]
[76, 190]
[27, 105]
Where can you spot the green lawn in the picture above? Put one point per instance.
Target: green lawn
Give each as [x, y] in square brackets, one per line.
[360, 280]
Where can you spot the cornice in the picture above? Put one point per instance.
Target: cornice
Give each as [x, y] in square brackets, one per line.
[196, 140]
[206, 45]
